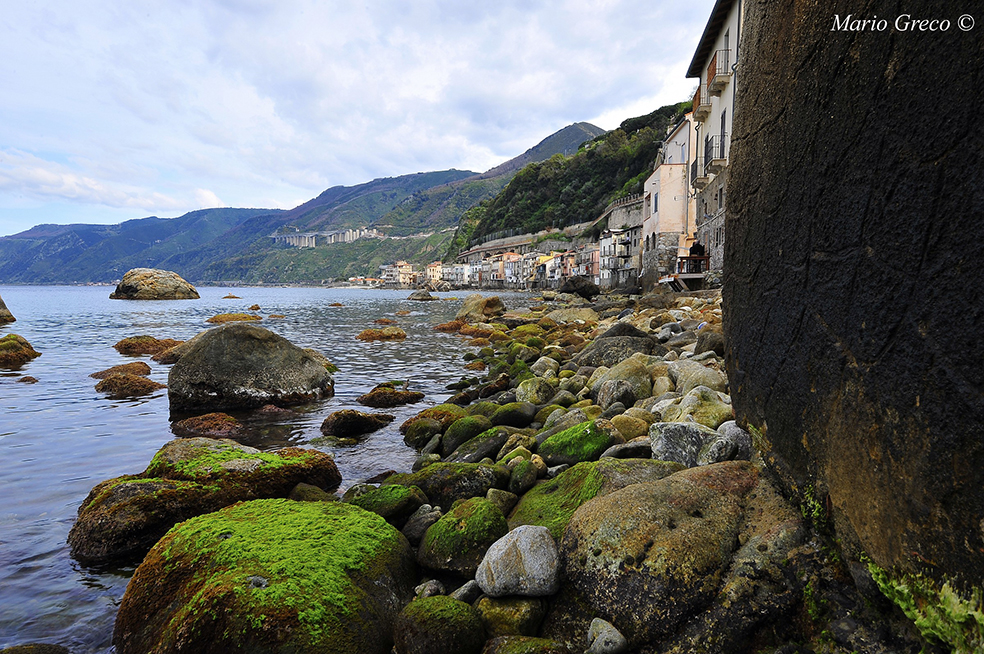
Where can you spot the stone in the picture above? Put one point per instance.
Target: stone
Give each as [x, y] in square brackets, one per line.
[468, 592]
[463, 430]
[578, 285]
[523, 562]
[5, 315]
[511, 616]
[153, 284]
[385, 396]
[476, 308]
[421, 433]
[634, 372]
[514, 414]
[630, 427]
[395, 504]
[123, 517]
[125, 385]
[535, 391]
[679, 441]
[636, 449]
[524, 645]
[139, 345]
[604, 638]
[271, 575]
[429, 589]
[562, 316]
[310, 493]
[210, 425]
[349, 423]
[438, 624]
[135, 368]
[15, 351]
[621, 329]
[544, 364]
[702, 405]
[244, 366]
[524, 475]
[444, 483]
[583, 442]
[710, 339]
[741, 438]
[419, 522]
[615, 391]
[457, 542]
[422, 296]
[485, 445]
[610, 351]
[224, 318]
[390, 333]
[502, 499]
[688, 375]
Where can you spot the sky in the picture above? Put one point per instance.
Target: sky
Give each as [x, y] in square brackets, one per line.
[117, 110]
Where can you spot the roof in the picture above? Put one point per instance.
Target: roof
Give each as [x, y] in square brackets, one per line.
[718, 15]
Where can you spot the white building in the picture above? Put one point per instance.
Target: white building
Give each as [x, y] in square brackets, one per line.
[714, 64]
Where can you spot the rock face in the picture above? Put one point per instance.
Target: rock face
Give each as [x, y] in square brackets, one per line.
[270, 576]
[5, 315]
[476, 308]
[243, 366]
[153, 284]
[125, 516]
[861, 375]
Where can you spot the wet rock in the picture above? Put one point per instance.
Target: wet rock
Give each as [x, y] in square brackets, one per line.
[444, 483]
[385, 334]
[244, 366]
[310, 493]
[637, 449]
[135, 368]
[223, 318]
[524, 475]
[502, 499]
[476, 308]
[458, 541]
[352, 423]
[463, 430]
[630, 427]
[604, 638]
[15, 351]
[523, 562]
[421, 434]
[35, 648]
[124, 385]
[514, 414]
[5, 315]
[270, 575]
[419, 522]
[438, 624]
[210, 425]
[140, 345]
[583, 442]
[445, 414]
[421, 296]
[578, 285]
[485, 445]
[386, 395]
[27, 379]
[396, 504]
[124, 516]
[535, 391]
[511, 616]
[153, 284]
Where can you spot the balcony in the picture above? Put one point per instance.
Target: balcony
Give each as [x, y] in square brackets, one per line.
[693, 265]
[715, 154]
[702, 103]
[698, 178]
[719, 72]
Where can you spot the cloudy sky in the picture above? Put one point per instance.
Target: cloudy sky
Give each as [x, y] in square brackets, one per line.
[119, 110]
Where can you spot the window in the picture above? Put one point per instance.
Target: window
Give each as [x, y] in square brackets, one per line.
[655, 202]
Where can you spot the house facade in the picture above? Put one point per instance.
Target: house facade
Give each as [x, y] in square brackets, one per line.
[714, 65]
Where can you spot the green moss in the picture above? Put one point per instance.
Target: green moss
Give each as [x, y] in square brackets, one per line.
[941, 614]
[458, 540]
[582, 442]
[527, 331]
[535, 342]
[208, 461]
[391, 501]
[439, 610]
[303, 553]
[552, 503]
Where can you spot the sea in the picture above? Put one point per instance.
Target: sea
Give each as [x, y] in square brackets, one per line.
[59, 437]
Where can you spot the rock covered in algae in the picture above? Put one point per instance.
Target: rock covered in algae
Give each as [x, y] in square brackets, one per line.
[270, 576]
[153, 284]
[15, 351]
[5, 315]
[123, 517]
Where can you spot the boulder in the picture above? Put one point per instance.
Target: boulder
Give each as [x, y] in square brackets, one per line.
[223, 318]
[615, 391]
[439, 624]
[463, 430]
[511, 616]
[394, 503]
[244, 366]
[535, 391]
[578, 285]
[385, 334]
[710, 339]
[124, 385]
[15, 351]
[123, 517]
[583, 314]
[476, 308]
[349, 423]
[140, 345]
[485, 445]
[386, 396]
[688, 375]
[444, 483]
[153, 284]
[270, 576]
[583, 442]
[604, 638]
[702, 405]
[458, 541]
[135, 368]
[610, 351]
[682, 442]
[514, 414]
[5, 315]
[632, 370]
[524, 645]
[523, 562]
[422, 296]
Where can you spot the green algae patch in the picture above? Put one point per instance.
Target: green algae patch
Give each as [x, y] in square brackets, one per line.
[15, 351]
[394, 503]
[200, 458]
[439, 624]
[272, 576]
[458, 541]
[444, 483]
[942, 614]
[583, 442]
[446, 414]
[551, 503]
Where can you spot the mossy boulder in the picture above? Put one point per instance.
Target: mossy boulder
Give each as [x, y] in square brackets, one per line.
[120, 386]
[446, 414]
[458, 541]
[153, 284]
[485, 445]
[122, 518]
[5, 315]
[524, 645]
[15, 351]
[421, 431]
[511, 616]
[349, 423]
[210, 425]
[514, 414]
[482, 409]
[387, 395]
[223, 318]
[702, 405]
[135, 368]
[394, 503]
[444, 483]
[385, 334]
[551, 503]
[270, 576]
[144, 344]
[463, 430]
[535, 391]
[583, 442]
[439, 624]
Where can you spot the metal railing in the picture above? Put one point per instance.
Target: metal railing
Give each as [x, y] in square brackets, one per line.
[715, 147]
[692, 265]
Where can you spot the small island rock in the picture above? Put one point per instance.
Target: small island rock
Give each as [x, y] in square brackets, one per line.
[153, 284]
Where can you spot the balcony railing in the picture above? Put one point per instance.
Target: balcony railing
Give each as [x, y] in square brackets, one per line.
[693, 265]
[719, 72]
[698, 178]
[702, 103]
[715, 153]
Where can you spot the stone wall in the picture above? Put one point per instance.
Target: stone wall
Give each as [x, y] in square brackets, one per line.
[852, 283]
[711, 222]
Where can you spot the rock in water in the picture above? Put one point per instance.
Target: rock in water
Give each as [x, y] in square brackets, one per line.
[153, 284]
[244, 366]
[480, 309]
[580, 286]
[15, 351]
[5, 315]
[862, 376]
[422, 296]
[270, 576]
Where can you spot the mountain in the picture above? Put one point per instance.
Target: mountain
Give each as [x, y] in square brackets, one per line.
[235, 244]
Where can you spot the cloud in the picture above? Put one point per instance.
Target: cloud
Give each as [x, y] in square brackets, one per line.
[207, 200]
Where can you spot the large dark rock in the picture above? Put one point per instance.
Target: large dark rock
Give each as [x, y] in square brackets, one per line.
[607, 351]
[476, 308]
[582, 286]
[153, 284]
[852, 279]
[5, 315]
[270, 576]
[244, 366]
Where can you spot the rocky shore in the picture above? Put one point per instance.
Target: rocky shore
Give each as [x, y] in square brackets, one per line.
[586, 489]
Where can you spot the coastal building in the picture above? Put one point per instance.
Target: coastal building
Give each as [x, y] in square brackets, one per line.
[668, 223]
[587, 262]
[433, 272]
[714, 65]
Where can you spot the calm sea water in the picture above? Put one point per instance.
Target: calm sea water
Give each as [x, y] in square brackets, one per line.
[59, 437]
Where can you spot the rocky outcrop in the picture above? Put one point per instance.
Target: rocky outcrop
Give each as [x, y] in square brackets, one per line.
[244, 366]
[476, 308]
[5, 315]
[852, 286]
[578, 285]
[153, 284]
[123, 517]
[270, 576]
[422, 296]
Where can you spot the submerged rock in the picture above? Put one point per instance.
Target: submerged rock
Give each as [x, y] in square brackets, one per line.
[153, 284]
[15, 351]
[125, 516]
[384, 334]
[270, 576]
[350, 423]
[244, 366]
[123, 385]
[140, 345]
[135, 368]
[210, 425]
[386, 395]
[223, 318]
[421, 296]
